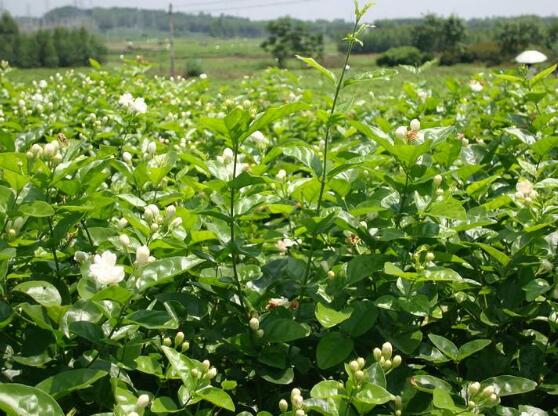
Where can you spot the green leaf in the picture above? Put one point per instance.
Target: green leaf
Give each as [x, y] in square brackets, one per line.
[284, 330]
[312, 62]
[535, 288]
[545, 73]
[472, 347]
[21, 400]
[326, 389]
[44, 293]
[216, 396]
[428, 383]
[371, 394]
[333, 349]
[330, 317]
[153, 319]
[442, 400]
[87, 330]
[38, 209]
[163, 271]
[448, 208]
[510, 385]
[65, 382]
[182, 365]
[502, 258]
[445, 346]
[164, 405]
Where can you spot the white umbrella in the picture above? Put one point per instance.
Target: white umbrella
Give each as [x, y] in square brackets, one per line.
[531, 57]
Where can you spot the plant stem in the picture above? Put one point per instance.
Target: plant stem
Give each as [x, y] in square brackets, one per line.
[323, 179]
[53, 249]
[232, 233]
[403, 199]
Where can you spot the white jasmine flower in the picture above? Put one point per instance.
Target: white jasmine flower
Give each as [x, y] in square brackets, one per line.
[105, 270]
[203, 76]
[525, 190]
[415, 125]
[401, 132]
[281, 175]
[139, 106]
[42, 84]
[475, 86]
[142, 255]
[127, 157]
[126, 100]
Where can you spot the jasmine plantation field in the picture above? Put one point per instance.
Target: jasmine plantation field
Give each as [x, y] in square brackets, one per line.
[346, 241]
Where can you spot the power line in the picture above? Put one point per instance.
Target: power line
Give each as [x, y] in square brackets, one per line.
[254, 6]
[213, 2]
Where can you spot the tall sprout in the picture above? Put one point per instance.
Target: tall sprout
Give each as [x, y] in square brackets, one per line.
[351, 39]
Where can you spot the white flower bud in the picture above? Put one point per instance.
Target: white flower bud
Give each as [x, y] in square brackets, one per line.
[127, 157]
[125, 240]
[281, 175]
[396, 362]
[471, 404]
[179, 338]
[211, 373]
[283, 405]
[401, 132]
[177, 222]
[167, 342]
[488, 391]
[388, 364]
[122, 222]
[377, 353]
[295, 392]
[331, 275]
[196, 373]
[353, 365]
[143, 401]
[80, 256]
[151, 148]
[133, 414]
[430, 256]
[206, 364]
[415, 125]
[142, 255]
[170, 211]
[185, 346]
[154, 227]
[387, 350]
[254, 324]
[359, 375]
[260, 333]
[474, 388]
[437, 180]
[300, 412]
[494, 398]
[361, 362]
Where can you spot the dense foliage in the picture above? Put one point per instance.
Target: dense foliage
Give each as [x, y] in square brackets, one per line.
[169, 251]
[288, 37]
[456, 40]
[59, 47]
[404, 55]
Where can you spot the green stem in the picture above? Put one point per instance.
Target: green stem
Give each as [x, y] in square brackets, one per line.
[403, 200]
[323, 179]
[53, 249]
[232, 233]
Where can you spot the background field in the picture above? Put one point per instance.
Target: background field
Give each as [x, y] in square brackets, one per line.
[226, 61]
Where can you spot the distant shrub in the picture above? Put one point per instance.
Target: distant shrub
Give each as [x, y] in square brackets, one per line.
[194, 68]
[405, 55]
[486, 52]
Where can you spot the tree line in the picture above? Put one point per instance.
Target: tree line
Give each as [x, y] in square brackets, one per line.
[454, 40]
[59, 47]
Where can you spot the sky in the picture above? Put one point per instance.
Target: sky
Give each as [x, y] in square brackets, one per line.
[309, 9]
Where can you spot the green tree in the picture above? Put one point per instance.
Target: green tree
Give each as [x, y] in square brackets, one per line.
[516, 35]
[288, 37]
[453, 34]
[9, 34]
[48, 56]
[427, 34]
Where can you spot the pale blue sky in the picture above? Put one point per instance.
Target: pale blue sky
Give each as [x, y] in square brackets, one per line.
[312, 9]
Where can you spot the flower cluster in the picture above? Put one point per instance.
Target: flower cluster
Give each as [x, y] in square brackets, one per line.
[297, 403]
[135, 105]
[411, 134]
[478, 398]
[385, 358]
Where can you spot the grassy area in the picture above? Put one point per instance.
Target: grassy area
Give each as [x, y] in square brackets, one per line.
[226, 60]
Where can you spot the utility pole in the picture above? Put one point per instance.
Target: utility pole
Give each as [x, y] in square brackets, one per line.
[171, 41]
